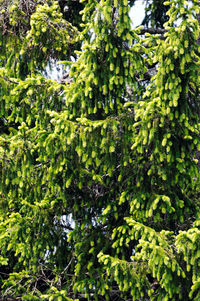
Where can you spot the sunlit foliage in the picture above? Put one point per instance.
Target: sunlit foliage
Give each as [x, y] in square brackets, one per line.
[99, 187]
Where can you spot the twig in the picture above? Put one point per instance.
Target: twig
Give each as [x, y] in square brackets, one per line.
[9, 80]
[152, 31]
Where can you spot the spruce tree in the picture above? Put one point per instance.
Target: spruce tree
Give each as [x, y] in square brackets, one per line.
[99, 176]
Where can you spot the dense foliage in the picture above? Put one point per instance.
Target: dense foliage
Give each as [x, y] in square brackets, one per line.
[99, 181]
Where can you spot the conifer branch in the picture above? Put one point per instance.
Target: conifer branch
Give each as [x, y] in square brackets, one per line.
[10, 80]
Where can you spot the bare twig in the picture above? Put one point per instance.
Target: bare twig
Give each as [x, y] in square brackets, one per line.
[153, 30]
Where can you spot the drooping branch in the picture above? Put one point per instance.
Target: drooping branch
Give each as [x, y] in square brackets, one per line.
[9, 80]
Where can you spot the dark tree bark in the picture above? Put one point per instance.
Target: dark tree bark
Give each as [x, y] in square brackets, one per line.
[198, 18]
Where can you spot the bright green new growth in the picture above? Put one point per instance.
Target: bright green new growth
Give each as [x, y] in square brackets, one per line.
[99, 188]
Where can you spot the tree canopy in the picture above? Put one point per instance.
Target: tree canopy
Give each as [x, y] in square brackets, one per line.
[99, 176]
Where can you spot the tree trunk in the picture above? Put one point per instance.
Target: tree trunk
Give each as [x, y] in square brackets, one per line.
[198, 18]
